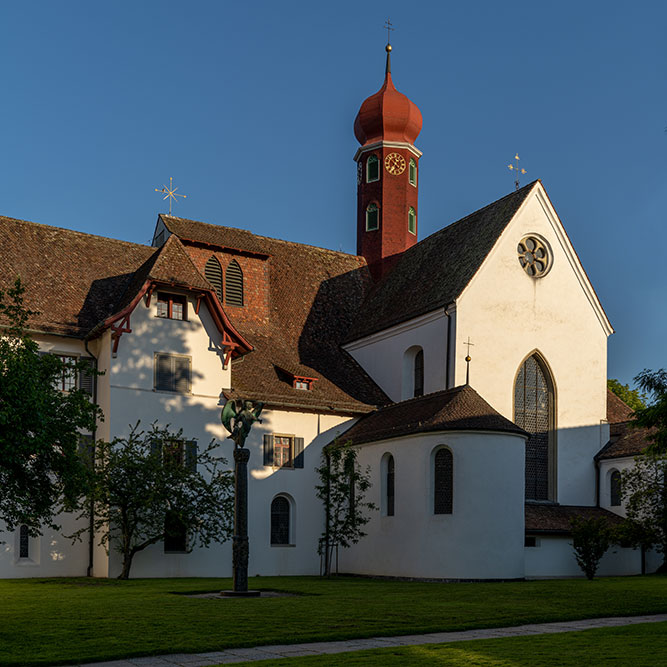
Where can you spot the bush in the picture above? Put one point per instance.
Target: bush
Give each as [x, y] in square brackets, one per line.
[590, 540]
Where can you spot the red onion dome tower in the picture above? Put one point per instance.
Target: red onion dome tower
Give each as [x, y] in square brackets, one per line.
[387, 127]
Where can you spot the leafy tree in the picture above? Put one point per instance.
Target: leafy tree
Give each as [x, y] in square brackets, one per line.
[590, 540]
[40, 470]
[633, 398]
[342, 488]
[154, 485]
[654, 415]
[644, 490]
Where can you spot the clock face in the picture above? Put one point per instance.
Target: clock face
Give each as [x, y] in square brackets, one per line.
[394, 164]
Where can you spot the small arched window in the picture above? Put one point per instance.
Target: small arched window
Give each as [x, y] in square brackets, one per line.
[24, 542]
[234, 284]
[372, 218]
[412, 221]
[615, 489]
[413, 172]
[372, 169]
[213, 273]
[443, 481]
[419, 374]
[280, 511]
[390, 485]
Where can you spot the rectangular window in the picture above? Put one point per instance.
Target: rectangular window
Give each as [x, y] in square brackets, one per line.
[67, 379]
[171, 306]
[172, 373]
[283, 451]
[282, 448]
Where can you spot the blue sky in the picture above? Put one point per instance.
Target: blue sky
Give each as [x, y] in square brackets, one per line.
[249, 107]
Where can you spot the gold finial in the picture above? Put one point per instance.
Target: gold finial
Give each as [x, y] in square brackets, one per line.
[515, 167]
[170, 193]
[387, 48]
[387, 25]
[468, 359]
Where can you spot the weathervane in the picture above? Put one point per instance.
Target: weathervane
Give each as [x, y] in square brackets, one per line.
[170, 193]
[515, 167]
[387, 25]
[468, 359]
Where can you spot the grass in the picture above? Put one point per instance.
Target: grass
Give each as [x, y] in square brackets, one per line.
[638, 645]
[50, 621]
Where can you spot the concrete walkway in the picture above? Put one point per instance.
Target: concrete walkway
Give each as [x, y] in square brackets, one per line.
[320, 648]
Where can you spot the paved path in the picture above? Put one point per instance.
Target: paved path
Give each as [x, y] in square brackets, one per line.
[320, 648]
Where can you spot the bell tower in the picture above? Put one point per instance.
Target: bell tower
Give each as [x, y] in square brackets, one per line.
[387, 127]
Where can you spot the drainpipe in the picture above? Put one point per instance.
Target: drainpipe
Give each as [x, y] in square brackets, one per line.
[448, 353]
[91, 524]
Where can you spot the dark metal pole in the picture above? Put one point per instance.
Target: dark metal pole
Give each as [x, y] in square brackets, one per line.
[240, 549]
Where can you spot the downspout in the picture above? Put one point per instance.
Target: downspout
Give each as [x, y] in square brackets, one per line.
[91, 524]
[448, 352]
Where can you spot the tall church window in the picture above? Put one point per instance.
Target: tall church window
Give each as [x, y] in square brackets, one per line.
[213, 273]
[419, 374]
[443, 481]
[534, 412]
[412, 221]
[234, 284]
[390, 485]
[615, 489]
[372, 169]
[412, 172]
[372, 218]
[280, 520]
[24, 542]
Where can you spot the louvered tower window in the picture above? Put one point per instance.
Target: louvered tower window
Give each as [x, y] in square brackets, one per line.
[419, 374]
[443, 482]
[234, 284]
[213, 273]
[615, 490]
[280, 520]
[533, 412]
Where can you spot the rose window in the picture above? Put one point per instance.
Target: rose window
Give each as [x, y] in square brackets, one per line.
[534, 256]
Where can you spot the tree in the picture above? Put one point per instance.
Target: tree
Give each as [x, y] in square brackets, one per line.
[342, 488]
[155, 486]
[654, 415]
[590, 540]
[40, 470]
[633, 398]
[644, 491]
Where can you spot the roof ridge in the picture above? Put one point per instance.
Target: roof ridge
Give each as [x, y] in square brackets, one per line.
[74, 231]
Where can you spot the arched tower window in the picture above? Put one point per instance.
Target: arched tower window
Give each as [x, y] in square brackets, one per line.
[443, 481]
[419, 374]
[412, 221]
[534, 412]
[234, 284]
[615, 489]
[213, 273]
[280, 511]
[413, 172]
[372, 169]
[390, 485]
[372, 218]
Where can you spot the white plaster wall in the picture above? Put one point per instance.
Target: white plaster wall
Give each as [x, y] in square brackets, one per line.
[381, 355]
[508, 315]
[483, 537]
[554, 557]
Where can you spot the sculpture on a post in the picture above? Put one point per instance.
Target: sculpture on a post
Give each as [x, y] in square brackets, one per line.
[237, 417]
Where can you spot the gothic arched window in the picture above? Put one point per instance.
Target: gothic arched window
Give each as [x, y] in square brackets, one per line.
[390, 485]
[534, 412]
[615, 489]
[234, 284]
[24, 542]
[213, 273]
[419, 374]
[280, 511]
[443, 481]
[372, 218]
[372, 169]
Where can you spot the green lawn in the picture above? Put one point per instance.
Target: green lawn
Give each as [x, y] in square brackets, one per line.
[46, 621]
[638, 645]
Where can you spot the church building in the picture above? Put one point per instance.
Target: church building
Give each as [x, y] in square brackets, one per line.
[453, 363]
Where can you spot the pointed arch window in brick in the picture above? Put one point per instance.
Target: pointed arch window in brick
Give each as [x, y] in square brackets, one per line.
[234, 284]
[213, 273]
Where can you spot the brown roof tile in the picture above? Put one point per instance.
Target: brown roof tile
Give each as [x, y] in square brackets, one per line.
[617, 410]
[434, 272]
[626, 440]
[457, 409]
[545, 518]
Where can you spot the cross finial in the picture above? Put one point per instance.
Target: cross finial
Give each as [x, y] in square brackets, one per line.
[387, 25]
[468, 359]
[515, 167]
[169, 193]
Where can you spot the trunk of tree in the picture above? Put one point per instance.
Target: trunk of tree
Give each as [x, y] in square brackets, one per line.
[127, 564]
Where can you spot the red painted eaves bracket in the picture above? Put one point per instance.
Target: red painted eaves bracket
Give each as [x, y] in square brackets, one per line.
[117, 330]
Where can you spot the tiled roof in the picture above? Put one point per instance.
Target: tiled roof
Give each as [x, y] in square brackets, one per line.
[545, 518]
[434, 272]
[315, 296]
[74, 280]
[457, 409]
[625, 440]
[617, 410]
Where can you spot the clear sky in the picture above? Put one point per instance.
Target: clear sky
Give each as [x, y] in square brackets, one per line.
[249, 106]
